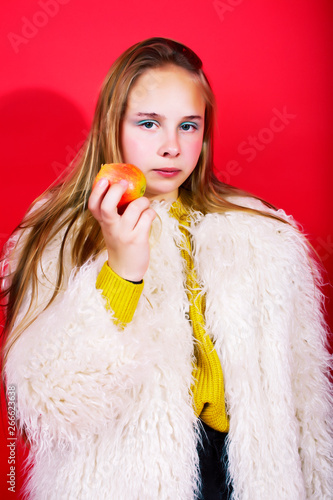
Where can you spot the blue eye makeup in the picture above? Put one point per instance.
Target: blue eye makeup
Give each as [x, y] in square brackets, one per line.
[186, 126]
[148, 124]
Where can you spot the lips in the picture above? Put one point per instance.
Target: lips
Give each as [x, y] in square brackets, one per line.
[167, 172]
[166, 169]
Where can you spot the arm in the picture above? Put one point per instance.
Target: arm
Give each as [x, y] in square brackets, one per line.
[311, 383]
[75, 369]
[121, 296]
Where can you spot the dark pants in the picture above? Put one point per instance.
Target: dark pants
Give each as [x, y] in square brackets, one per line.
[213, 464]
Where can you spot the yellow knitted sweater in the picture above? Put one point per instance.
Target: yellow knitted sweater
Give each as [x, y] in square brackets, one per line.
[123, 297]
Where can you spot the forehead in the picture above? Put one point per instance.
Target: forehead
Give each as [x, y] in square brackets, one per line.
[165, 88]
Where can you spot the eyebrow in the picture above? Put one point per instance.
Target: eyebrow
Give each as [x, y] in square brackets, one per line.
[156, 115]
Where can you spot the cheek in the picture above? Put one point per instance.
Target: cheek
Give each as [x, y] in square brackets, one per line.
[131, 147]
[195, 148]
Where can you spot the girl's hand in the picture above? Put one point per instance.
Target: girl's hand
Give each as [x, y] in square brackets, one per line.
[126, 236]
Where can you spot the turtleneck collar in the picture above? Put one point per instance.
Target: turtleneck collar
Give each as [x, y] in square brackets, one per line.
[180, 209]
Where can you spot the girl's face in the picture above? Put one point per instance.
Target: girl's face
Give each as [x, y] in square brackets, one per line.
[162, 130]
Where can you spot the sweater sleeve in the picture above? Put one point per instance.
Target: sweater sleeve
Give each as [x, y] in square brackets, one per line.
[121, 296]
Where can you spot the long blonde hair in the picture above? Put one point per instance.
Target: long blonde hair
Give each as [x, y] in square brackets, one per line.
[65, 203]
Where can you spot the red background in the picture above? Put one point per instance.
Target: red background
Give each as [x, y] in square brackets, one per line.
[262, 58]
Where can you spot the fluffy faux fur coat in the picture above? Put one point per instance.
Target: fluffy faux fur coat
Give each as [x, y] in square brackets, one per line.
[108, 411]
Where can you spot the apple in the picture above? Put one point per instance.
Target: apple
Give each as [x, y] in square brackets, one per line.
[115, 172]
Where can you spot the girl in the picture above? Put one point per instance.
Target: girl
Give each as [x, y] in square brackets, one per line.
[177, 350]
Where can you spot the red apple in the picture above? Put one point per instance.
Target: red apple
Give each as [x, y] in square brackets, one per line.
[115, 172]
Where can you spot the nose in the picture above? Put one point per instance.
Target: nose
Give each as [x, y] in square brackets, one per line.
[170, 145]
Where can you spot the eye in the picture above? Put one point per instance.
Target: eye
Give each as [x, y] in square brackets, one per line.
[147, 124]
[188, 126]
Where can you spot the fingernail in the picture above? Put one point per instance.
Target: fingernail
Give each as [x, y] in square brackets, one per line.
[103, 182]
[123, 182]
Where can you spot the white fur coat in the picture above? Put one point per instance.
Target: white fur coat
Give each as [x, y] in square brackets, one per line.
[109, 411]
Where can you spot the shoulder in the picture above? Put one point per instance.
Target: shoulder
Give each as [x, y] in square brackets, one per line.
[256, 204]
[266, 234]
[272, 256]
[252, 213]
[48, 256]
[266, 225]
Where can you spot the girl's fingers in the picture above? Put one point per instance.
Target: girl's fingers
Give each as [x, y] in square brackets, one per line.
[133, 212]
[96, 194]
[108, 207]
[144, 224]
[103, 200]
